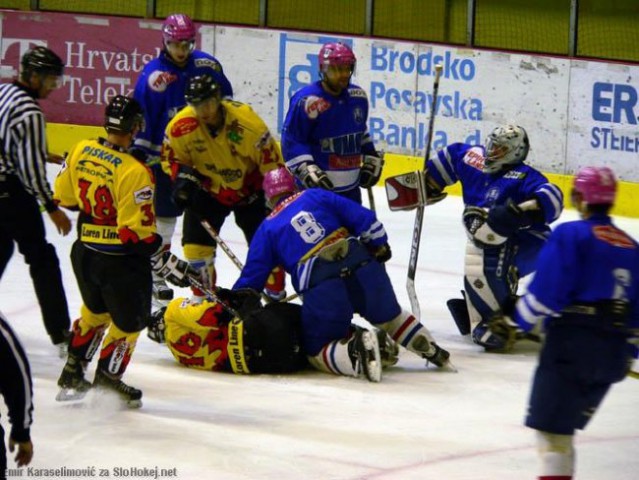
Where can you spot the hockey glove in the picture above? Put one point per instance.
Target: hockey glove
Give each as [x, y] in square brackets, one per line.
[242, 300]
[186, 186]
[156, 327]
[173, 270]
[382, 253]
[434, 192]
[478, 230]
[312, 176]
[502, 326]
[371, 171]
[505, 220]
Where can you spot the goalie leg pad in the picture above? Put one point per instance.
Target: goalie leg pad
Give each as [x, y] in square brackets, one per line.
[459, 312]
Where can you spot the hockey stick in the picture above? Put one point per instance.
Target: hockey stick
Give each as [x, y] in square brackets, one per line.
[371, 198]
[236, 261]
[419, 216]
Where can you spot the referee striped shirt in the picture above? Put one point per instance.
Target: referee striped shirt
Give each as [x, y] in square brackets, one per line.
[23, 143]
[15, 383]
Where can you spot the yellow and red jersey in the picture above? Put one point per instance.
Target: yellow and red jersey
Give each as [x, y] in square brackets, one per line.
[233, 162]
[113, 193]
[204, 336]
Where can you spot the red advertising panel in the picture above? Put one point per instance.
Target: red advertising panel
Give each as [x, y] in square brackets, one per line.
[103, 56]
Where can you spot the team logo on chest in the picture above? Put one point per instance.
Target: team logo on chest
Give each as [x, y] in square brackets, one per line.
[313, 106]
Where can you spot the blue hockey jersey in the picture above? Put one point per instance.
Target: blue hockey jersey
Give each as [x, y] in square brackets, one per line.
[464, 163]
[583, 262]
[299, 227]
[329, 131]
[160, 90]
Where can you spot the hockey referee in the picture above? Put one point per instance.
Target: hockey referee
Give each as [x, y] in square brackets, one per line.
[24, 186]
[17, 389]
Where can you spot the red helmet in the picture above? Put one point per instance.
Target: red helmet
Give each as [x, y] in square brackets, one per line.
[597, 185]
[278, 182]
[336, 54]
[178, 28]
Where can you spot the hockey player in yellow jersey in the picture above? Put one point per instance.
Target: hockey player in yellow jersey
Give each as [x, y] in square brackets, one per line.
[217, 152]
[207, 336]
[113, 193]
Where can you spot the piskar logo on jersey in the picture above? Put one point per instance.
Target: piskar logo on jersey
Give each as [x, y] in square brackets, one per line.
[299, 66]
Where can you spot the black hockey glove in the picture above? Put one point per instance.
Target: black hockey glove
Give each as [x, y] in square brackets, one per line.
[242, 300]
[156, 327]
[371, 171]
[505, 220]
[186, 186]
[173, 270]
[382, 253]
[312, 176]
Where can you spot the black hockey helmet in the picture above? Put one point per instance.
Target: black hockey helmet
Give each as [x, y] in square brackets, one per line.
[43, 61]
[122, 115]
[200, 88]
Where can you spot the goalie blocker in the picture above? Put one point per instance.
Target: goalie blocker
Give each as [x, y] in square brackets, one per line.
[411, 190]
[207, 337]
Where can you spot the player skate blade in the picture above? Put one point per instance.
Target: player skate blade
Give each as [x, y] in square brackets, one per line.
[70, 394]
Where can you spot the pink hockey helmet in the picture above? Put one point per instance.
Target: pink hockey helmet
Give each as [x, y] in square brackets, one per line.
[278, 182]
[597, 185]
[336, 54]
[178, 28]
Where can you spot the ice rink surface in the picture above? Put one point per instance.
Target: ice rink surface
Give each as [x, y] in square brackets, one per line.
[417, 423]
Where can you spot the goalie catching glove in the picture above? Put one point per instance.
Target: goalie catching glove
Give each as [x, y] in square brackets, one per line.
[487, 229]
[312, 176]
[172, 269]
[381, 253]
[371, 171]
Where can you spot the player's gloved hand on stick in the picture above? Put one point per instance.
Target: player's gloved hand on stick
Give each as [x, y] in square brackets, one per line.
[186, 186]
[371, 171]
[172, 269]
[242, 300]
[313, 176]
[381, 253]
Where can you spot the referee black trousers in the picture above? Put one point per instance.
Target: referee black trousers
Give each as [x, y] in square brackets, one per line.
[21, 222]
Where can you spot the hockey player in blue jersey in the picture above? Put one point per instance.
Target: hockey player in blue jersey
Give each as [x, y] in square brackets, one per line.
[160, 90]
[586, 294]
[508, 207]
[334, 250]
[325, 139]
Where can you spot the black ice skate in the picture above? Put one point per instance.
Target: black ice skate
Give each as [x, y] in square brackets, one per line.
[363, 348]
[130, 395]
[440, 358]
[73, 385]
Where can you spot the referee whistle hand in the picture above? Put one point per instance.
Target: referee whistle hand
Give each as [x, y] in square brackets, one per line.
[61, 221]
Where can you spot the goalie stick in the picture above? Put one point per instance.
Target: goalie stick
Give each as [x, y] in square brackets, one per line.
[236, 261]
[419, 216]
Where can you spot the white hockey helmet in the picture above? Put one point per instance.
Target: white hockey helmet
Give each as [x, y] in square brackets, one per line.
[505, 145]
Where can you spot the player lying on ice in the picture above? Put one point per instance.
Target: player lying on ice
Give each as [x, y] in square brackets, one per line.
[245, 338]
[334, 250]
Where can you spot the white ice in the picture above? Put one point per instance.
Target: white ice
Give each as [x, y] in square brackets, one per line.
[417, 423]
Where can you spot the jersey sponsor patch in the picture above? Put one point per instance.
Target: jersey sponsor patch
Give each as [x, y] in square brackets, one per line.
[613, 236]
[474, 158]
[184, 126]
[313, 106]
[143, 195]
[159, 80]
[357, 93]
[344, 162]
[207, 62]
[515, 175]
